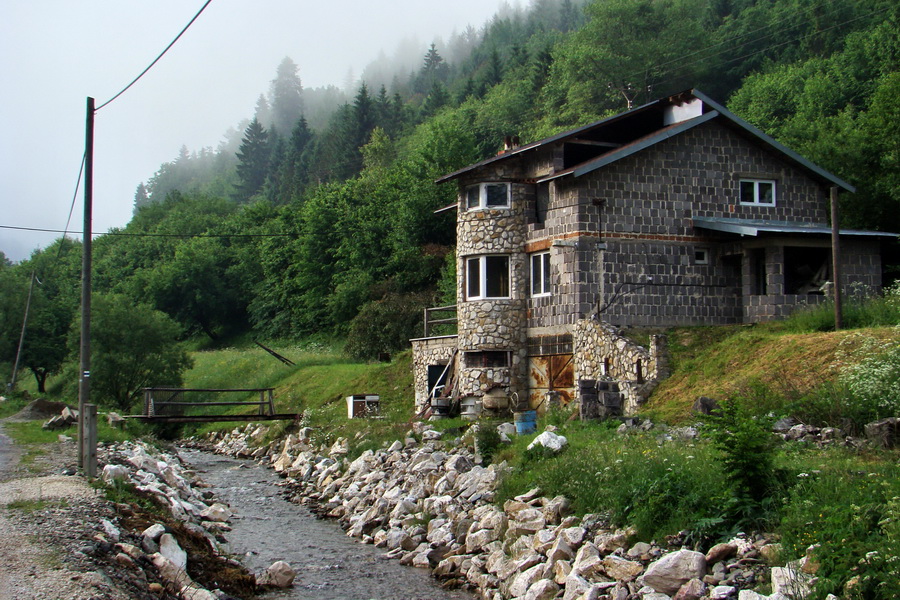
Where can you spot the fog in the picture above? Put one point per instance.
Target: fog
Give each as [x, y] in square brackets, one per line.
[56, 53]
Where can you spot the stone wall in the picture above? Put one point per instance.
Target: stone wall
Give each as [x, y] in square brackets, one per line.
[496, 324]
[426, 352]
[602, 353]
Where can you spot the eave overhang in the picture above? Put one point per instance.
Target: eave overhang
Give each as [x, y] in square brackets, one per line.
[757, 227]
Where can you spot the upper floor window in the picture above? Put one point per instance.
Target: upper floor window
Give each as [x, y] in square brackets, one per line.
[487, 277]
[540, 274]
[487, 195]
[758, 191]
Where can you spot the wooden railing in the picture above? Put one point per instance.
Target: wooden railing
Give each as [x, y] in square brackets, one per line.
[171, 401]
[430, 321]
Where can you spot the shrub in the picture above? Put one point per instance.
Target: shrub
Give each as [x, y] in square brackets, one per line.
[871, 374]
[860, 310]
[746, 453]
[851, 520]
[386, 325]
[632, 480]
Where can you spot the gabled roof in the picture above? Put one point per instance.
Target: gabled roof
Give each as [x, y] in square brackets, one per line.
[630, 132]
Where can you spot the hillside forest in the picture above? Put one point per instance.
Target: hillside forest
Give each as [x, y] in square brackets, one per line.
[317, 218]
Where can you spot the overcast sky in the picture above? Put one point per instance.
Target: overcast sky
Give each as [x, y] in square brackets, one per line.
[56, 53]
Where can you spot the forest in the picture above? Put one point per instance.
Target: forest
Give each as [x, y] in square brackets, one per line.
[318, 218]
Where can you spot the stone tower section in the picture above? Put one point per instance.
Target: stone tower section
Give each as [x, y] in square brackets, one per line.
[492, 283]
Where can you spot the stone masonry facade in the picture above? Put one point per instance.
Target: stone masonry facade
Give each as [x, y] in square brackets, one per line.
[618, 244]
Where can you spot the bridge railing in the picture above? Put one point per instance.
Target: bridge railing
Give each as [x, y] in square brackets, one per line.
[165, 401]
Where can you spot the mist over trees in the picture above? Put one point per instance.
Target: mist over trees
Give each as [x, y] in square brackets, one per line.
[316, 215]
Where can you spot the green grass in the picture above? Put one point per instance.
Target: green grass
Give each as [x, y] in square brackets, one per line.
[36, 505]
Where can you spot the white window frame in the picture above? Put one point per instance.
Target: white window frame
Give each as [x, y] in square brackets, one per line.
[480, 263]
[701, 256]
[480, 201]
[540, 274]
[757, 192]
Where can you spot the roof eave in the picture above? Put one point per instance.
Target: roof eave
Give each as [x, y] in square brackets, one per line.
[772, 142]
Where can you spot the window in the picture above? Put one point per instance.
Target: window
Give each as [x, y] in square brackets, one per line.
[487, 359]
[487, 277]
[701, 256]
[758, 191]
[487, 195]
[540, 274]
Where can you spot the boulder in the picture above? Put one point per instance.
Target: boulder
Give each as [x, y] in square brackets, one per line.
[721, 552]
[279, 574]
[884, 433]
[169, 548]
[218, 512]
[545, 589]
[549, 440]
[113, 473]
[621, 569]
[673, 570]
[692, 590]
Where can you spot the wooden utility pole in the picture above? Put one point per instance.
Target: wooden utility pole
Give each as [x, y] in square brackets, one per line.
[84, 377]
[12, 383]
[836, 260]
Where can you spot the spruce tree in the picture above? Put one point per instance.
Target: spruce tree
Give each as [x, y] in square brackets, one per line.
[287, 97]
[253, 161]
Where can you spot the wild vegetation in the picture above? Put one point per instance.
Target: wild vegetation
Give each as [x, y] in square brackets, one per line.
[317, 218]
[314, 226]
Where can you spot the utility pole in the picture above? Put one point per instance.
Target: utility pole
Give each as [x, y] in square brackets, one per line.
[12, 383]
[84, 380]
[836, 260]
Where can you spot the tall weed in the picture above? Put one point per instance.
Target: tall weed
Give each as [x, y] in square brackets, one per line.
[849, 522]
[659, 488]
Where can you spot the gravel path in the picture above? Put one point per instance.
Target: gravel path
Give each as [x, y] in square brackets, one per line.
[46, 519]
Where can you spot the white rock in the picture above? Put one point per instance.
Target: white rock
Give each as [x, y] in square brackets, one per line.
[721, 592]
[790, 582]
[576, 585]
[550, 441]
[526, 579]
[751, 595]
[112, 532]
[673, 570]
[218, 512]
[113, 473]
[169, 548]
[279, 574]
[545, 589]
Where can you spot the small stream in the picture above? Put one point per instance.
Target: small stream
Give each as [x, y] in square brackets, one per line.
[329, 565]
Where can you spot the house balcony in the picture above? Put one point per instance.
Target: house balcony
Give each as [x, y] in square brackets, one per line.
[442, 318]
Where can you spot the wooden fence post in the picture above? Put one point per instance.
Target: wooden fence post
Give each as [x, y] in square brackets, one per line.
[89, 444]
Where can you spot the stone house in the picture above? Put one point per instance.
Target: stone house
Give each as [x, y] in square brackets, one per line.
[673, 213]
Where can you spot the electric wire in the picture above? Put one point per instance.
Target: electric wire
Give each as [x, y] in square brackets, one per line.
[730, 40]
[72, 206]
[156, 60]
[716, 54]
[767, 48]
[164, 235]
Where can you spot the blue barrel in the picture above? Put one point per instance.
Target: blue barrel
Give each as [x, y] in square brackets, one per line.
[526, 421]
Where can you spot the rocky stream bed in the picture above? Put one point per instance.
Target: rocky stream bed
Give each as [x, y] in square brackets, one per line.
[242, 523]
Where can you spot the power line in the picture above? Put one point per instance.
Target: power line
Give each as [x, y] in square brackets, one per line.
[767, 48]
[172, 235]
[150, 66]
[74, 198]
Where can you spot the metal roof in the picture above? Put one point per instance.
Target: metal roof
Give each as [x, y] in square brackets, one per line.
[754, 227]
[714, 109]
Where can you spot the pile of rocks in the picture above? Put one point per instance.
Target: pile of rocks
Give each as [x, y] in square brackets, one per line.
[428, 504]
[164, 479]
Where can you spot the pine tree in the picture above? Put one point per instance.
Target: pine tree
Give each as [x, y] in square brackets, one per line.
[141, 197]
[287, 97]
[253, 161]
[263, 113]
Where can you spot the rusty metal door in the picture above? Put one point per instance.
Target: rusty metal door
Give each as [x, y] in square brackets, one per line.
[553, 373]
